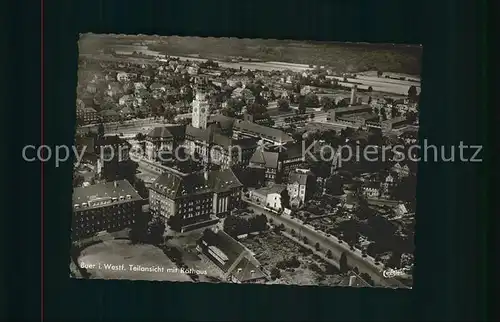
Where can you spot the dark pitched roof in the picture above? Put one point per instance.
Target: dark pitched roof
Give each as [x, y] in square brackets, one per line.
[246, 271]
[98, 194]
[297, 177]
[225, 122]
[265, 158]
[221, 242]
[160, 132]
[275, 188]
[108, 113]
[354, 281]
[199, 134]
[175, 185]
[110, 140]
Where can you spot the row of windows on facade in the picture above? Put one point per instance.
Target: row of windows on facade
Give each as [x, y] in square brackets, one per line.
[104, 215]
[110, 224]
[102, 202]
[94, 229]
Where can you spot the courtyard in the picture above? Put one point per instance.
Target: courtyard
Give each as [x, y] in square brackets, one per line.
[121, 253]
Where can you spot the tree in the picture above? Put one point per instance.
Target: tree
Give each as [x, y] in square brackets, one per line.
[317, 246]
[334, 186]
[305, 240]
[139, 229]
[367, 278]
[344, 267]
[383, 114]
[370, 100]
[370, 88]
[311, 100]
[379, 73]
[285, 199]
[140, 186]
[169, 114]
[395, 260]
[327, 103]
[329, 254]
[412, 93]
[100, 130]
[140, 136]
[275, 273]
[293, 233]
[311, 116]
[283, 105]
[156, 228]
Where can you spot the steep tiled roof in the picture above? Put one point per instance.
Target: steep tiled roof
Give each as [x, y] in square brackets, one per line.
[275, 188]
[175, 185]
[160, 132]
[296, 177]
[246, 271]
[99, 193]
[225, 122]
[265, 158]
[238, 261]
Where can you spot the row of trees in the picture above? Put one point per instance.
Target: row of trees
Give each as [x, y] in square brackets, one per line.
[235, 226]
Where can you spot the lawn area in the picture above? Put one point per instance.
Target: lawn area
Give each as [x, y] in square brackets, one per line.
[121, 252]
[297, 265]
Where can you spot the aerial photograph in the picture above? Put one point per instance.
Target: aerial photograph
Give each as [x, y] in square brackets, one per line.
[246, 161]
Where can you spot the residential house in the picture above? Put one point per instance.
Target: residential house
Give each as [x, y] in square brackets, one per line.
[114, 89]
[157, 87]
[276, 163]
[233, 260]
[269, 196]
[139, 86]
[243, 94]
[300, 185]
[401, 170]
[371, 190]
[126, 100]
[127, 112]
[91, 88]
[147, 75]
[79, 103]
[122, 77]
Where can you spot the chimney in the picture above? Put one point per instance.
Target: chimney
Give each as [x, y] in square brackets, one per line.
[352, 280]
[353, 95]
[115, 184]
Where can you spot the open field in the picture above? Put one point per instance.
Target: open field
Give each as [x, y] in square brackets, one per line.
[273, 250]
[384, 85]
[349, 57]
[121, 252]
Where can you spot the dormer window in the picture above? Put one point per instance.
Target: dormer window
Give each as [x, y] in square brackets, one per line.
[129, 197]
[121, 198]
[84, 204]
[77, 206]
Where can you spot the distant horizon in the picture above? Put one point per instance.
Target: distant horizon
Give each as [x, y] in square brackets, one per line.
[341, 56]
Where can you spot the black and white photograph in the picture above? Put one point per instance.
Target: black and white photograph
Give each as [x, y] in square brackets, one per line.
[247, 161]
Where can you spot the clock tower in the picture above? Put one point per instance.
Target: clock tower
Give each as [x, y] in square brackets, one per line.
[200, 110]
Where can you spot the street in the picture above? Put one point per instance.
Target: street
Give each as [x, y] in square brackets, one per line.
[354, 260]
